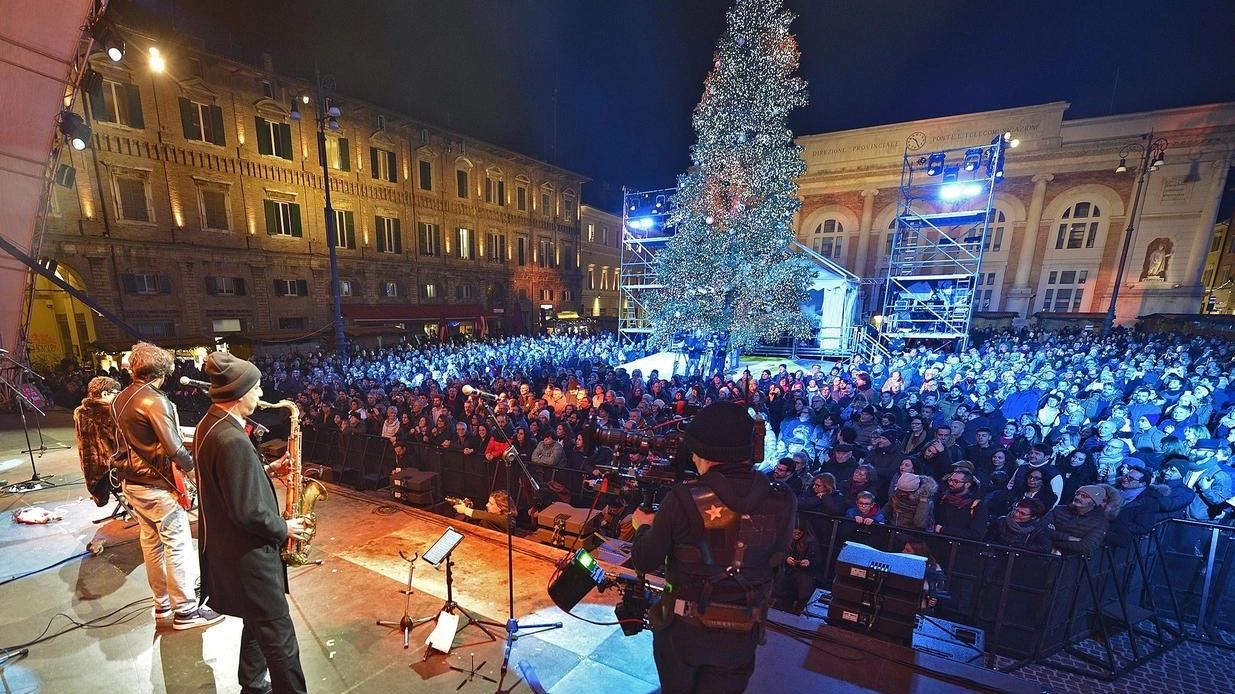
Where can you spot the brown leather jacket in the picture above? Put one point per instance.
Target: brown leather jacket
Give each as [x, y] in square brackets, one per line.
[149, 429]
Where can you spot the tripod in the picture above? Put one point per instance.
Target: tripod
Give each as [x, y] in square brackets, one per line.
[36, 480]
[450, 608]
[510, 457]
[407, 622]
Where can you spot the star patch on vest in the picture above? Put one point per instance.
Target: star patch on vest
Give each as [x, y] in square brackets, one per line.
[715, 512]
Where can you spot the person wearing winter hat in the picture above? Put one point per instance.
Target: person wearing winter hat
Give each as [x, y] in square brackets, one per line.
[1079, 527]
[709, 622]
[242, 531]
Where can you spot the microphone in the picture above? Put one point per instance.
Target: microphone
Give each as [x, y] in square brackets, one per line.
[3, 351]
[257, 429]
[186, 381]
[469, 390]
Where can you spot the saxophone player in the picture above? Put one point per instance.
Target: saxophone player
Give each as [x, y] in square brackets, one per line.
[242, 532]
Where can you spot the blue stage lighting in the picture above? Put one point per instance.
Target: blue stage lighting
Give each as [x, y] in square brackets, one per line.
[641, 223]
[934, 164]
[973, 158]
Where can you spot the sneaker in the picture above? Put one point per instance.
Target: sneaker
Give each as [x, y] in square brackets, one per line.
[201, 617]
[163, 612]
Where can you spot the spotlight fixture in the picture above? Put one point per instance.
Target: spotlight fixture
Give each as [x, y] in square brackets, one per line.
[934, 164]
[295, 113]
[973, 158]
[73, 127]
[91, 82]
[951, 173]
[112, 43]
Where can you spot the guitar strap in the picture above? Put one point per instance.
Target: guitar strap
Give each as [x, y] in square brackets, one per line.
[129, 447]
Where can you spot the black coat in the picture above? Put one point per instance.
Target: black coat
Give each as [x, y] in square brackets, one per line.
[241, 529]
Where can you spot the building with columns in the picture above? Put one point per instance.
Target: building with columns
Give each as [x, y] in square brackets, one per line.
[197, 215]
[600, 259]
[1060, 214]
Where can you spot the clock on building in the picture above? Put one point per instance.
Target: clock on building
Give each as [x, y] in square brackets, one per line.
[915, 141]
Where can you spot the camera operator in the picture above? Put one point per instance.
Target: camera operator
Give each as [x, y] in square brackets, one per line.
[722, 539]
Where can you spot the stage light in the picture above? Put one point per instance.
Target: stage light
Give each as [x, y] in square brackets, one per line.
[973, 158]
[157, 62]
[951, 173]
[91, 82]
[960, 190]
[641, 223]
[578, 577]
[110, 39]
[75, 129]
[934, 164]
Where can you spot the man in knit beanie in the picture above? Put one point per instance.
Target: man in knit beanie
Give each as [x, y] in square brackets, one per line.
[722, 539]
[1079, 527]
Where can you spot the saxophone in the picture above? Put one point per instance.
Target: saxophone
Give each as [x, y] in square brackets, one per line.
[302, 494]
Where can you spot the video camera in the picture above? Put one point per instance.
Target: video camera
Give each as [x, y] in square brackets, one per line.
[580, 573]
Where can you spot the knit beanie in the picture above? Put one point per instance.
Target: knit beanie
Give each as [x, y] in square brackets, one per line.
[1097, 492]
[230, 376]
[722, 432]
[908, 482]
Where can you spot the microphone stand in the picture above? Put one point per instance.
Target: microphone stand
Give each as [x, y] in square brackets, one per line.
[511, 457]
[36, 480]
[38, 425]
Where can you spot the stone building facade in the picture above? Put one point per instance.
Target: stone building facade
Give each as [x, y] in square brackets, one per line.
[198, 214]
[601, 262]
[1061, 212]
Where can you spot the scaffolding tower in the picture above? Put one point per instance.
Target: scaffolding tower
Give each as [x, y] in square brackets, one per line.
[942, 219]
[645, 230]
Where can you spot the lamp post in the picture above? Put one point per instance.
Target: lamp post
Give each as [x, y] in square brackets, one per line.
[1151, 155]
[326, 117]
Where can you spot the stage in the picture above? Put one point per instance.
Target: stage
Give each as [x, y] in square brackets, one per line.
[335, 607]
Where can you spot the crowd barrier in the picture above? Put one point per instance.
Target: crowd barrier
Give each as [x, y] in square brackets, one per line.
[1109, 611]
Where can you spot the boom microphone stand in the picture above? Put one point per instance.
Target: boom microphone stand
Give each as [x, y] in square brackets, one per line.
[38, 425]
[36, 480]
[511, 458]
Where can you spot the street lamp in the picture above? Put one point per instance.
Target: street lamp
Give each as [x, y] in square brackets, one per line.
[327, 117]
[1152, 156]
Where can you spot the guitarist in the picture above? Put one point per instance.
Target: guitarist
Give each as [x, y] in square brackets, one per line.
[150, 464]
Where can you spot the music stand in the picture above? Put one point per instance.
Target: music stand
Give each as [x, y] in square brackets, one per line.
[440, 553]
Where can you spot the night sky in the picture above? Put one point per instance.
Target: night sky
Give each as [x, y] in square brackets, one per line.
[627, 74]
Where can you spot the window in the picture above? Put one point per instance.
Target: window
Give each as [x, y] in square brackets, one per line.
[591, 233]
[545, 256]
[283, 218]
[604, 235]
[430, 238]
[568, 255]
[382, 165]
[546, 202]
[428, 290]
[119, 103]
[495, 188]
[132, 198]
[389, 238]
[828, 239]
[567, 295]
[381, 122]
[465, 243]
[521, 197]
[268, 89]
[522, 250]
[390, 289]
[338, 153]
[426, 174]
[604, 278]
[568, 204]
[155, 329]
[465, 291]
[1064, 290]
[202, 122]
[293, 323]
[986, 292]
[546, 295]
[345, 288]
[214, 210]
[226, 325]
[591, 278]
[461, 183]
[994, 235]
[146, 283]
[496, 245]
[345, 229]
[225, 286]
[291, 287]
[1080, 228]
[274, 139]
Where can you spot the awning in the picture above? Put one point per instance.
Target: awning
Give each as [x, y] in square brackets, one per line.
[387, 313]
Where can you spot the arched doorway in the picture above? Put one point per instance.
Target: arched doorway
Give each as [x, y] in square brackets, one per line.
[60, 326]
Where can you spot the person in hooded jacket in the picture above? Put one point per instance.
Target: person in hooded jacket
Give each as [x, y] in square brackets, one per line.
[721, 539]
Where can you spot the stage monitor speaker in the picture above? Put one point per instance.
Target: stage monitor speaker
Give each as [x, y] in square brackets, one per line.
[876, 592]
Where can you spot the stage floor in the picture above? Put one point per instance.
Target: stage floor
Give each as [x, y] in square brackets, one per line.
[49, 583]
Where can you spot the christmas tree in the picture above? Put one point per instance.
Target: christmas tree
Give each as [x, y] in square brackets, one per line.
[729, 268]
